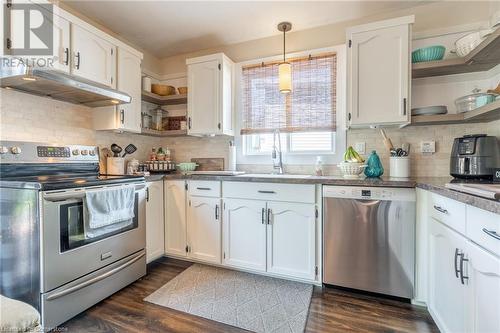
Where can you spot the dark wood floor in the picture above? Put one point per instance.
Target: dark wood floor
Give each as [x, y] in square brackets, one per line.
[331, 310]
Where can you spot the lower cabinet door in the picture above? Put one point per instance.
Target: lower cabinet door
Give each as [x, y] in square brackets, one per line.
[204, 228]
[447, 295]
[154, 221]
[244, 234]
[483, 290]
[175, 218]
[291, 239]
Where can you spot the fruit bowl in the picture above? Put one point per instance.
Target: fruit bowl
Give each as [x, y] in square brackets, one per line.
[351, 170]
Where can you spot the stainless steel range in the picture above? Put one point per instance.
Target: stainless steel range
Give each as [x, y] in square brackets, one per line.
[48, 259]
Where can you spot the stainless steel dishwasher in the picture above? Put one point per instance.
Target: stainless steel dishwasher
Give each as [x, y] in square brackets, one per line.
[369, 239]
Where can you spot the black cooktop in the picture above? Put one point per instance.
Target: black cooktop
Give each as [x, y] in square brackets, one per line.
[57, 182]
[57, 176]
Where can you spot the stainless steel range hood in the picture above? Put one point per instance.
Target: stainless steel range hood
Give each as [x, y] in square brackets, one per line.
[60, 86]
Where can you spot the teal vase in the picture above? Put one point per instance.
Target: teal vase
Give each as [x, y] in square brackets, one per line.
[374, 167]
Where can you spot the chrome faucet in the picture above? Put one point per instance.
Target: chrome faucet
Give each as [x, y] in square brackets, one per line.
[277, 154]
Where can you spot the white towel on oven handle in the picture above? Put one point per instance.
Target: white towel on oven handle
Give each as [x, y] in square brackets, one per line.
[109, 206]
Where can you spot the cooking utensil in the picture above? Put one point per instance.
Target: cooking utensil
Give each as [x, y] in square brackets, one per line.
[130, 149]
[387, 141]
[474, 101]
[435, 109]
[406, 148]
[429, 53]
[116, 150]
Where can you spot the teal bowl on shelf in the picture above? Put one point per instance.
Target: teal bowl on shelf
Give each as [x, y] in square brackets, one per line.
[430, 53]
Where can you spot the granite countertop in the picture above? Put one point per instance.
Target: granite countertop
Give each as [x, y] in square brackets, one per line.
[434, 184]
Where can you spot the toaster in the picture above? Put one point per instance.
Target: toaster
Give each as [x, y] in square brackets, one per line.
[475, 156]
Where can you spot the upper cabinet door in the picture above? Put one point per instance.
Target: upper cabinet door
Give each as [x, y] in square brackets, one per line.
[483, 290]
[379, 73]
[93, 57]
[61, 35]
[291, 246]
[129, 81]
[203, 98]
[244, 234]
[210, 95]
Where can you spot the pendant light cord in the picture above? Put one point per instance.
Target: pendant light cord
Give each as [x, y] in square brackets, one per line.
[284, 32]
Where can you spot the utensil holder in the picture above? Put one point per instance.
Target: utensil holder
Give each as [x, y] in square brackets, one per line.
[115, 166]
[399, 167]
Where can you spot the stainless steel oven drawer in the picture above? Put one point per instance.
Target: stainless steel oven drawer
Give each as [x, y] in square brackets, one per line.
[69, 300]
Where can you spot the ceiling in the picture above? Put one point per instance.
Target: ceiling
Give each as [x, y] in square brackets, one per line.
[166, 28]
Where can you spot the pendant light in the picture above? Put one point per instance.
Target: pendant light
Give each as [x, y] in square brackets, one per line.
[285, 68]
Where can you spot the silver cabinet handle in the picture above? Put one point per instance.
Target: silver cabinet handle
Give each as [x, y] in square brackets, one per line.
[94, 279]
[216, 212]
[491, 233]
[122, 116]
[189, 122]
[462, 276]
[266, 192]
[269, 216]
[147, 194]
[78, 57]
[441, 210]
[404, 106]
[203, 188]
[457, 254]
[66, 55]
[263, 216]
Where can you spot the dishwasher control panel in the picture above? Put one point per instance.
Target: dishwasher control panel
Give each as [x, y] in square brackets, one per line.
[369, 193]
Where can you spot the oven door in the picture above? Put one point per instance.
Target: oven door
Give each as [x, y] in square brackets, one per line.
[67, 253]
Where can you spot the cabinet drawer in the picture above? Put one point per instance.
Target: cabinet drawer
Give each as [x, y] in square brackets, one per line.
[448, 211]
[484, 228]
[269, 191]
[204, 188]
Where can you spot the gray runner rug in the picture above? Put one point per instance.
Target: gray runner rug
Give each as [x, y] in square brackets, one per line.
[253, 302]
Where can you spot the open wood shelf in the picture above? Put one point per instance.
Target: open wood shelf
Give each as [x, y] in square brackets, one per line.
[484, 57]
[487, 113]
[152, 132]
[164, 100]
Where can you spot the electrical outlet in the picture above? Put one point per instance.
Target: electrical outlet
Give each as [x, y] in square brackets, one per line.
[428, 147]
[360, 147]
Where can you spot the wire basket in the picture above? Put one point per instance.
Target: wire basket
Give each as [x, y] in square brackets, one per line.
[351, 170]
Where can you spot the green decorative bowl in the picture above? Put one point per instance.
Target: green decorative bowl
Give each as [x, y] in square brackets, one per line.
[428, 54]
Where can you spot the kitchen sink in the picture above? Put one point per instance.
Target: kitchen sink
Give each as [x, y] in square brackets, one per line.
[270, 175]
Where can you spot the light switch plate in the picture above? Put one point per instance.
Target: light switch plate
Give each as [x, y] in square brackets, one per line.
[428, 147]
[360, 147]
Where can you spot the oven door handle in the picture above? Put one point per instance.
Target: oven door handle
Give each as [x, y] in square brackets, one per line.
[64, 195]
[95, 279]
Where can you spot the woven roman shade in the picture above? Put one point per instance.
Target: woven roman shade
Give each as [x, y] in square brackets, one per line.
[310, 107]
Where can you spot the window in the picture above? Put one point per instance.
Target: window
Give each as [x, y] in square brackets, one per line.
[311, 119]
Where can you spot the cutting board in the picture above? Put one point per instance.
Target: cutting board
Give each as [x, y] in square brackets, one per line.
[209, 164]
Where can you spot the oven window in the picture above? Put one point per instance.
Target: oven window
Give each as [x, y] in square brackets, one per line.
[72, 226]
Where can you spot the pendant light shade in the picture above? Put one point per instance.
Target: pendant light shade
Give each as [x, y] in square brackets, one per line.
[285, 77]
[285, 68]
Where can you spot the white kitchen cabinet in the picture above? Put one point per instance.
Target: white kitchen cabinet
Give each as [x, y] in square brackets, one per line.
[379, 73]
[154, 221]
[447, 295]
[61, 46]
[210, 95]
[204, 229]
[93, 57]
[123, 117]
[175, 218]
[291, 239]
[483, 290]
[244, 234]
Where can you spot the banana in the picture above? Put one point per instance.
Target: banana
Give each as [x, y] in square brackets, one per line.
[351, 155]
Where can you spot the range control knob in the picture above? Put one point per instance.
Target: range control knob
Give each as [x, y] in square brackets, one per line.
[3, 150]
[85, 152]
[92, 152]
[75, 152]
[15, 150]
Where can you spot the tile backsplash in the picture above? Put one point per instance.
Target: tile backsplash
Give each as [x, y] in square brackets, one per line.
[26, 117]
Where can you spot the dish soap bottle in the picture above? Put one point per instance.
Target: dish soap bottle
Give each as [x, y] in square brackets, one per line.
[374, 167]
[319, 166]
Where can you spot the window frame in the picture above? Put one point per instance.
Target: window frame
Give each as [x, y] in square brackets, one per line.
[297, 158]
